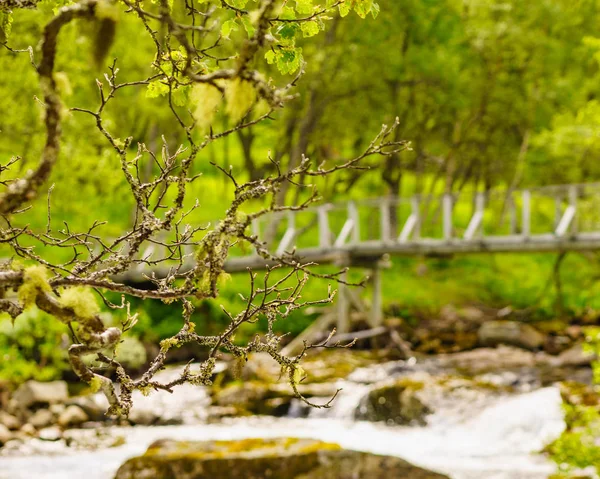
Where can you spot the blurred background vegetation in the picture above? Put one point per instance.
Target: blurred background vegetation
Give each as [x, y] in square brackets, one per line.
[491, 94]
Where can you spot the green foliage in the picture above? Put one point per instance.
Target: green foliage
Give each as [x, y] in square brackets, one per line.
[577, 447]
[28, 349]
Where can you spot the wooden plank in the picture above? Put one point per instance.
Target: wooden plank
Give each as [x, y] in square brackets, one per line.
[324, 231]
[289, 235]
[573, 194]
[354, 216]
[477, 218]
[408, 228]
[344, 234]
[565, 221]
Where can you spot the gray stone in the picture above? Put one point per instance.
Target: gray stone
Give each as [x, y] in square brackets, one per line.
[283, 458]
[5, 435]
[575, 356]
[142, 417]
[395, 402]
[41, 418]
[512, 333]
[35, 393]
[72, 416]
[11, 422]
[95, 406]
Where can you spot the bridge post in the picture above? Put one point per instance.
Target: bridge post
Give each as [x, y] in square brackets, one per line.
[526, 214]
[289, 235]
[415, 204]
[447, 215]
[353, 215]
[557, 211]
[573, 203]
[324, 232]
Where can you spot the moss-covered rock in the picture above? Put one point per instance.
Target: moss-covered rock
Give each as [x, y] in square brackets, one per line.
[396, 402]
[284, 458]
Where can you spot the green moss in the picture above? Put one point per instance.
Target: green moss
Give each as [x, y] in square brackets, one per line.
[81, 300]
[35, 279]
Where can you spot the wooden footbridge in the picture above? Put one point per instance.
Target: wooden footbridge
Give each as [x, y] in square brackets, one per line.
[365, 233]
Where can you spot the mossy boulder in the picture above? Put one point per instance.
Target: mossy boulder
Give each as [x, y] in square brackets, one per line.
[283, 458]
[396, 402]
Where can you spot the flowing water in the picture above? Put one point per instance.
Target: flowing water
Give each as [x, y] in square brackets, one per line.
[496, 442]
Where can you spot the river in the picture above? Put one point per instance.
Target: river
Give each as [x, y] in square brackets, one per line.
[495, 439]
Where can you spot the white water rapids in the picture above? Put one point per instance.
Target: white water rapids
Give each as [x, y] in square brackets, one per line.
[497, 442]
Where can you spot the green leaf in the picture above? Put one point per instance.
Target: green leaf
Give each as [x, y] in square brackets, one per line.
[344, 9]
[363, 7]
[375, 9]
[156, 89]
[310, 29]
[248, 26]
[287, 31]
[270, 57]
[304, 7]
[228, 27]
[180, 96]
[289, 60]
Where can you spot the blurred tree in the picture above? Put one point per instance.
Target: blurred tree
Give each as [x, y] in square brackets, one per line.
[133, 131]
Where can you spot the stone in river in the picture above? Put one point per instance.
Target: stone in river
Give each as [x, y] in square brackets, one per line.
[283, 458]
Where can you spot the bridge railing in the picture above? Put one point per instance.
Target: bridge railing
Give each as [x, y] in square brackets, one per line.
[562, 210]
[552, 212]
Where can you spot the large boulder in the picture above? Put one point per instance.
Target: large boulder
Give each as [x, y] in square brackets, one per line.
[395, 402]
[512, 333]
[35, 394]
[287, 458]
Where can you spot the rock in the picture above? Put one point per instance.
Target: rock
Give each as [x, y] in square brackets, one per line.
[484, 360]
[575, 356]
[28, 430]
[556, 344]
[5, 435]
[142, 417]
[50, 434]
[72, 416]
[512, 333]
[265, 458]
[4, 393]
[11, 422]
[396, 402]
[35, 393]
[57, 409]
[41, 418]
[94, 406]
